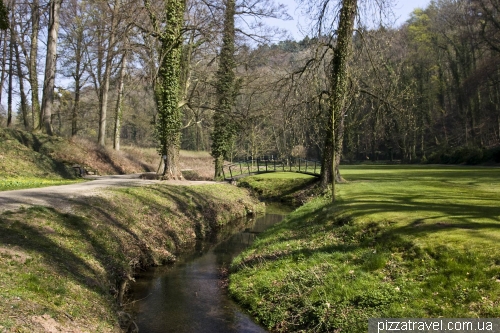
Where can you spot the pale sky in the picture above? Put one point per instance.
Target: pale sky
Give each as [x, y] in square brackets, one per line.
[405, 7]
[402, 11]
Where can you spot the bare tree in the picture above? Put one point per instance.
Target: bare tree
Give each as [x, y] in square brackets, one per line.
[50, 65]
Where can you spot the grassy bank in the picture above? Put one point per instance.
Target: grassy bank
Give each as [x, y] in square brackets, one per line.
[68, 270]
[400, 242]
[288, 187]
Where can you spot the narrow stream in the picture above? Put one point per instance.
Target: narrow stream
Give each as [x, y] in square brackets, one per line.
[187, 296]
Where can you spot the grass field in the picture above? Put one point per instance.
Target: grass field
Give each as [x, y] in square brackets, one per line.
[401, 241]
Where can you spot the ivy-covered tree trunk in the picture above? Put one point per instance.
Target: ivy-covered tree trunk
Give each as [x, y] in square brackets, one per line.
[224, 124]
[338, 94]
[169, 120]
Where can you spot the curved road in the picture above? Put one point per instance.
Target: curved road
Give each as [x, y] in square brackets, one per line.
[62, 195]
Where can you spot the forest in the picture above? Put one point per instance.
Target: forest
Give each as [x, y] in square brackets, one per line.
[210, 75]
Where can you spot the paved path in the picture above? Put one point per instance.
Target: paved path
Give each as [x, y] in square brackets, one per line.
[61, 196]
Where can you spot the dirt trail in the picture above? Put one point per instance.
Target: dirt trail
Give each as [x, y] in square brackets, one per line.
[62, 196]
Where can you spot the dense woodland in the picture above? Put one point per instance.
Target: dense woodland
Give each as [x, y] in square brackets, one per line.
[208, 75]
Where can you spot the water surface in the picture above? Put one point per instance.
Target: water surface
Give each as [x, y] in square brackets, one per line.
[187, 296]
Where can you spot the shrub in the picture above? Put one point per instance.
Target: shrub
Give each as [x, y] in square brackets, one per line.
[464, 155]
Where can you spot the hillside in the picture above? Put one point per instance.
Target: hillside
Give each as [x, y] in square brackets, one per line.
[24, 154]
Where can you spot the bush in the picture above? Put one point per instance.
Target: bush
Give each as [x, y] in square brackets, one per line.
[465, 155]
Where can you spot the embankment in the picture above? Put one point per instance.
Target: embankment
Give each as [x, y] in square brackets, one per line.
[67, 269]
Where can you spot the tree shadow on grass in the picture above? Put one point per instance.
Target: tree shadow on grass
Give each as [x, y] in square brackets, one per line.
[16, 230]
[427, 204]
[437, 217]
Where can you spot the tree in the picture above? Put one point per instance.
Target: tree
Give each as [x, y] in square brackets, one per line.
[50, 65]
[338, 95]
[75, 40]
[119, 102]
[32, 68]
[104, 88]
[4, 16]
[168, 32]
[224, 124]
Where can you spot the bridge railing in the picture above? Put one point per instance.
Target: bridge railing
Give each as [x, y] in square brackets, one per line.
[263, 165]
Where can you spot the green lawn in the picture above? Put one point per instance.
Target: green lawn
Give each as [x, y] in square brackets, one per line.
[401, 241]
[18, 183]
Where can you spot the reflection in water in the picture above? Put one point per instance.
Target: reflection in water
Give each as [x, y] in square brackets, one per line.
[186, 296]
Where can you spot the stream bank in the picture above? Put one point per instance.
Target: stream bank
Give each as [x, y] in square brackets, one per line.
[67, 269]
[190, 295]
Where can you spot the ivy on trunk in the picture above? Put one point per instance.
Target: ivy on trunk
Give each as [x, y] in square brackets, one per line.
[224, 124]
[166, 89]
[338, 94]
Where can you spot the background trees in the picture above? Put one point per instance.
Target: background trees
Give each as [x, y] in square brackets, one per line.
[425, 91]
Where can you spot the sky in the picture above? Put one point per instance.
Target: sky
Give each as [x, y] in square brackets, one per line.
[405, 7]
[402, 10]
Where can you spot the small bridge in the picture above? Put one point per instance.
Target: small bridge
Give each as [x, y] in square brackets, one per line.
[264, 165]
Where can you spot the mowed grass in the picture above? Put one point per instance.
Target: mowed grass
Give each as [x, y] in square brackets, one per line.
[33, 182]
[401, 241]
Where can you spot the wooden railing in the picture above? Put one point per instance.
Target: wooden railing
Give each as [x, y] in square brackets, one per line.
[262, 165]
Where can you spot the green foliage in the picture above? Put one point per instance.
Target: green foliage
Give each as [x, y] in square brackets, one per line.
[4, 16]
[419, 27]
[169, 120]
[465, 155]
[225, 126]
[400, 242]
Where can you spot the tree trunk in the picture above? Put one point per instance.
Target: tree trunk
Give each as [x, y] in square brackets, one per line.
[50, 66]
[119, 106]
[169, 120]
[338, 94]
[11, 70]
[76, 107]
[107, 74]
[171, 168]
[24, 107]
[32, 68]
[224, 124]
[4, 62]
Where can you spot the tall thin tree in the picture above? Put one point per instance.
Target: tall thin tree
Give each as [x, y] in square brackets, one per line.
[50, 66]
[224, 125]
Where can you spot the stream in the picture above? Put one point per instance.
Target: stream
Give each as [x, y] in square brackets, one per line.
[188, 296]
